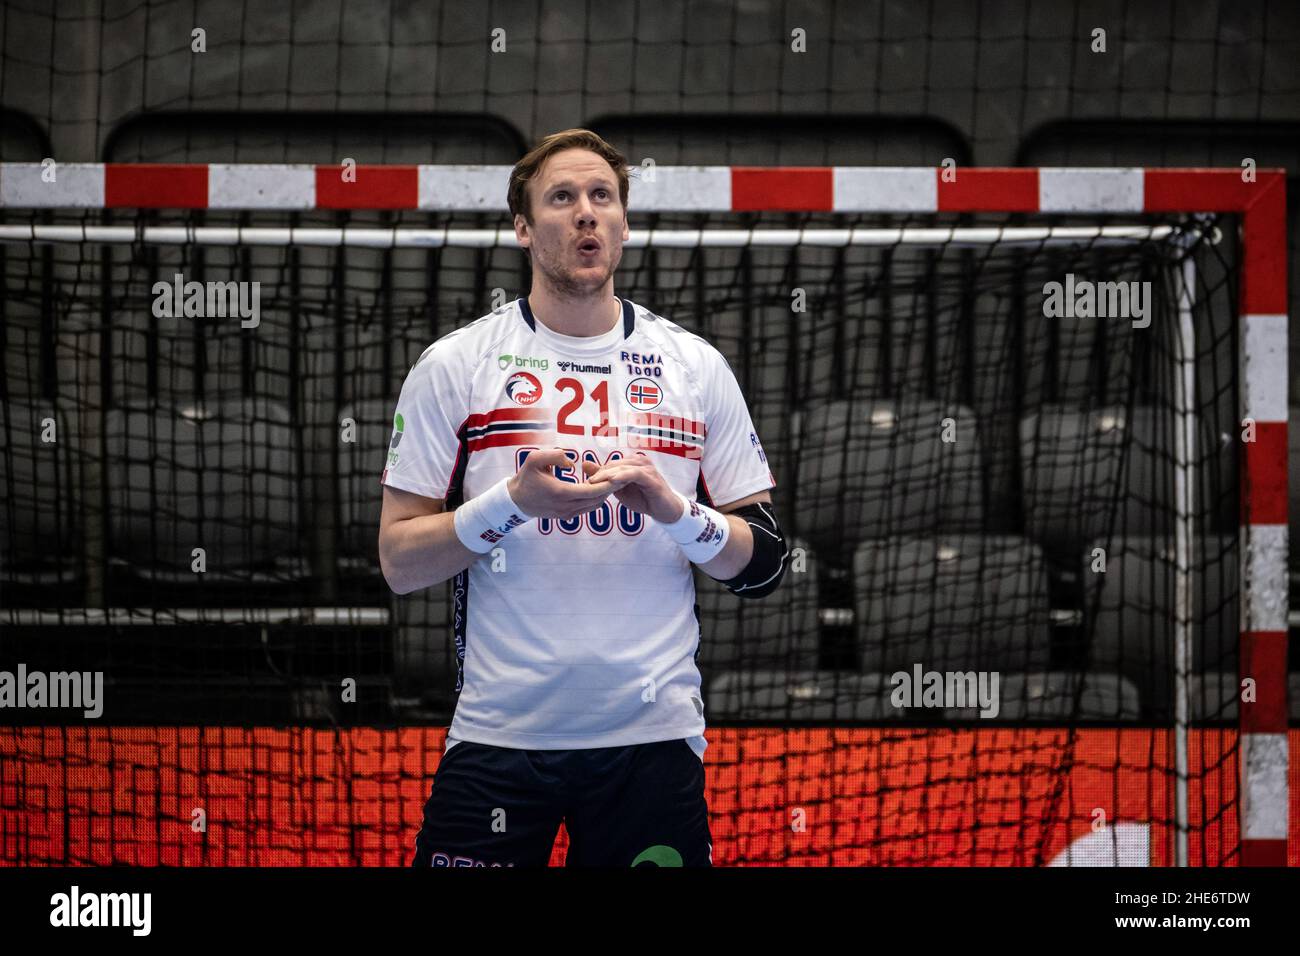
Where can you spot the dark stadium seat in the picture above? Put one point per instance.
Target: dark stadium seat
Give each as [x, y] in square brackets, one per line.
[223, 477]
[871, 469]
[778, 631]
[964, 602]
[1086, 472]
[1129, 611]
[799, 695]
[1057, 696]
[1082, 359]
[1213, 695]
[424, 652]
[38, 517]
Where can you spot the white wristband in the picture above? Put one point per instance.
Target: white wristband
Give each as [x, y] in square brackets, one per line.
[700, 531]
[482, 522]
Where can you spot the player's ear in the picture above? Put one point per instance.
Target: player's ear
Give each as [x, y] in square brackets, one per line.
[626, 235]
[521, 230]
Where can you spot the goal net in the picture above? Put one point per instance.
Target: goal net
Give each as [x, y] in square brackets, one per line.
[1023, 424]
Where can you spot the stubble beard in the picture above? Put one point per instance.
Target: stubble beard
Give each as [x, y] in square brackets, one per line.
[565, 283]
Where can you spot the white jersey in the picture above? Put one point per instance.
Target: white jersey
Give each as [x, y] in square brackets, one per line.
[584, 635]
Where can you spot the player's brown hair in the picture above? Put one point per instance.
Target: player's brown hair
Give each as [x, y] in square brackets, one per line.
[527, 168]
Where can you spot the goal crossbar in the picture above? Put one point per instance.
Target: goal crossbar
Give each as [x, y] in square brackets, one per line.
[412, 238]
[1256, 197]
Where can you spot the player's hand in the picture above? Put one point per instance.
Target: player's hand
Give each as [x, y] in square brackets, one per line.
[537, 491]
[638, 484]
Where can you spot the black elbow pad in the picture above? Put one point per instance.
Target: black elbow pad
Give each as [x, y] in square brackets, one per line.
[771, 557]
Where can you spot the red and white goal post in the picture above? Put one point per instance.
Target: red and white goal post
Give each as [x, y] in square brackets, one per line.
[1256, 200]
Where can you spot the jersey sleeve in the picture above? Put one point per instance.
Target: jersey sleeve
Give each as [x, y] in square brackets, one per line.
[734, 464]
[434, 403]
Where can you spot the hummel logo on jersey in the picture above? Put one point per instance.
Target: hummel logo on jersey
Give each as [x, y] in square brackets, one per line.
[578, 367]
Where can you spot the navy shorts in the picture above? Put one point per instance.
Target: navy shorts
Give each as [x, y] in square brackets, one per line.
[641, 805]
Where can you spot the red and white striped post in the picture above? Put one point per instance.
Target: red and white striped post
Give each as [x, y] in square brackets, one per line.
[1260, 202]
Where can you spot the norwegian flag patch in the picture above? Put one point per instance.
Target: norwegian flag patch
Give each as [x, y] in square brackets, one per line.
[644, 394]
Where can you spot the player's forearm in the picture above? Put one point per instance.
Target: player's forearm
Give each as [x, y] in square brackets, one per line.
[735, 554]
[422, 551]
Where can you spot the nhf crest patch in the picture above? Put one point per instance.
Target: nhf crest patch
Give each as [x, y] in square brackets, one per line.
[523, 388]
[643, 394]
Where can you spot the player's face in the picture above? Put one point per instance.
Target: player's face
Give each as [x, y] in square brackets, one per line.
[579, 223]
